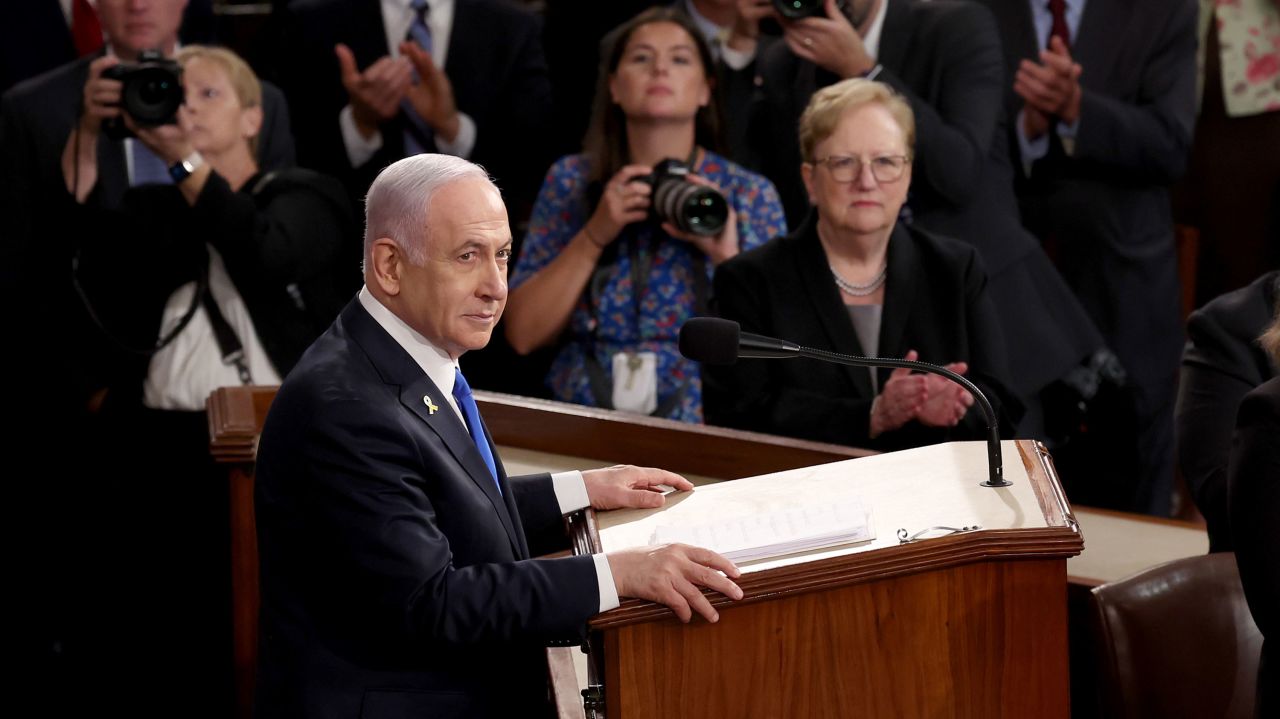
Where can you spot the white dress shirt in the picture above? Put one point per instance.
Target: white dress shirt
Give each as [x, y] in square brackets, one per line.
[570, 490]
[396, 18]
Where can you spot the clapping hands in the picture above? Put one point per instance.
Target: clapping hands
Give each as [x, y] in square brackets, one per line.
[931, 400]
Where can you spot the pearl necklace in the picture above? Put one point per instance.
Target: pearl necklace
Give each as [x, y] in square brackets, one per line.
[861, 290]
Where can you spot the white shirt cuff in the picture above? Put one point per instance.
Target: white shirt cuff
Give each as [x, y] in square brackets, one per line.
[736, 59]
[1031, 150]
[359, 149]
[604, 579]
[1067, 133]
[464, 143]
[571, 491]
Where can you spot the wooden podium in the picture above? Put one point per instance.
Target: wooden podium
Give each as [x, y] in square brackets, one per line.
[972, 624]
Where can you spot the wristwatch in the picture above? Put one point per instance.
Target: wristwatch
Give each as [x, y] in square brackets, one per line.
[180, 171]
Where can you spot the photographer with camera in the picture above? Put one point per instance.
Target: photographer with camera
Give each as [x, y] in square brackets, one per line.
[624, 237]
[222, 277]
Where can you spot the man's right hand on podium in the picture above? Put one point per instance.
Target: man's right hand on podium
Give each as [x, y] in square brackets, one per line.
[671, 574]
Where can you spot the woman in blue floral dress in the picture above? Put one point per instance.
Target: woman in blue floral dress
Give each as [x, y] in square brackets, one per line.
[596, 273]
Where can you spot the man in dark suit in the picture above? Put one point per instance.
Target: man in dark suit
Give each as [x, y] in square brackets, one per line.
[1101, 104]
[363, 96]
[396, 571]
[366, 89]
[944, 58]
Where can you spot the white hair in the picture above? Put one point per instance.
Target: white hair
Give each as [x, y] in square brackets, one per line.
[396, 206]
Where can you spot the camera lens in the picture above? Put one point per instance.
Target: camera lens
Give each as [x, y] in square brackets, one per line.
[152, 96]
[692, 208]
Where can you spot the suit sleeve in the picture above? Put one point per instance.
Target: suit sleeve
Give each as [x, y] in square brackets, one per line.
[1148, 136]
[1216, 375]
[1255, 503]
[954, 130]
[367, 508]
[988, 360]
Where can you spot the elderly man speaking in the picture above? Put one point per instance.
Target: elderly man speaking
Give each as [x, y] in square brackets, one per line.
[396, 573]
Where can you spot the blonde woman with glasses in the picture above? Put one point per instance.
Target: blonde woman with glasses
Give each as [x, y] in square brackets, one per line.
[852, 279]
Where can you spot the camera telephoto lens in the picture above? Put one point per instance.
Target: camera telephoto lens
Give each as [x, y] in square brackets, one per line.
[152, 96]
[690, 207]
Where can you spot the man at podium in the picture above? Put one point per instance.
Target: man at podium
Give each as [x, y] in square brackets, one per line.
[396, 569]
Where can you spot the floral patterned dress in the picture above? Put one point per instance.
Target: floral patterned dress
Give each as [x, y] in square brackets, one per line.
[617, 313]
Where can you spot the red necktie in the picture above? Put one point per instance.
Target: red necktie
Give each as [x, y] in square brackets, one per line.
[1058, 8]
[86, 31]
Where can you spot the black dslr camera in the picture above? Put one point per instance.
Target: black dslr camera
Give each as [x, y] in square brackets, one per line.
[796, 9]
[151, 93]
[690, 207]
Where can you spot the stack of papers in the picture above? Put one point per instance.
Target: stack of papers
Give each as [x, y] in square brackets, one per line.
[773, 534]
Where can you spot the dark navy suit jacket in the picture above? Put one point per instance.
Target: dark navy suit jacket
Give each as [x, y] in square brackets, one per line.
[396, 580]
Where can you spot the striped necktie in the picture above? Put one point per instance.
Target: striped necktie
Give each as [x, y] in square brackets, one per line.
[417, 134]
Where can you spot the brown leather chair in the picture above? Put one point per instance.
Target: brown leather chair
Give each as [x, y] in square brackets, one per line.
[1177, 640]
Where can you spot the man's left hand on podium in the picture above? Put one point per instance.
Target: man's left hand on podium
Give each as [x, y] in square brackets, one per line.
[624, 485]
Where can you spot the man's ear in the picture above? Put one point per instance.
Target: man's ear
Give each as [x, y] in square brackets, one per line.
[386, 263]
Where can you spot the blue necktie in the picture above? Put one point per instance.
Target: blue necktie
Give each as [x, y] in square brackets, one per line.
[467, 403]
[148, 169]
[417, 134]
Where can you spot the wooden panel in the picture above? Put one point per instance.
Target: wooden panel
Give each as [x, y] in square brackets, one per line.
[985, 639]
[560, 428]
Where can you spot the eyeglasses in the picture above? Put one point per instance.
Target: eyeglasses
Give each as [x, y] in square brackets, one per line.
[885, 168]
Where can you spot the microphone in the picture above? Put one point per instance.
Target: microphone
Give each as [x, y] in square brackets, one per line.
[712, 340]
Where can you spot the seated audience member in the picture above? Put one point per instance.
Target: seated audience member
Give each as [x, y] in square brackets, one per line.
[222, 278]
[1254, 500]
[853, 279]
[597, 272]
[944, 59]
[1220, 364]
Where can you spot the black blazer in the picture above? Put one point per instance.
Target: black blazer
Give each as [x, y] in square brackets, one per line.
[495, 64]
[1221, 363]
[1255, 504]
[396, 581]
[935, 302]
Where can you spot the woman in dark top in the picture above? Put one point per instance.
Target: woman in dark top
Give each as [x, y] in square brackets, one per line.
[1253, 488]
[266, 247]
[851, 279]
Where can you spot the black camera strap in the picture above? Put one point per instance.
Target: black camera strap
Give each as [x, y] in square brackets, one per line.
[642, 253]
[228, 343]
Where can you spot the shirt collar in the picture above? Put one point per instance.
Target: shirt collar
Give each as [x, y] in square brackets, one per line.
[435, 362]
[710, 30]
[872, 40]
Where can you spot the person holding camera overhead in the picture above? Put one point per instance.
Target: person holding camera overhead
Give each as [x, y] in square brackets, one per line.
[222, 277]
[854, 279]
[622, 244]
